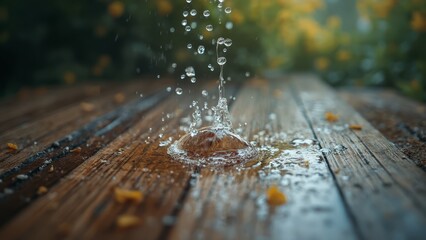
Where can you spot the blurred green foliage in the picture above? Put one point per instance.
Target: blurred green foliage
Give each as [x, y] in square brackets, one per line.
[359, 42]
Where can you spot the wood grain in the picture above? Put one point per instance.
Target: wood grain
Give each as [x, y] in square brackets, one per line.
[372, 173]
[366, 189]
[230, 203]
[401, 120]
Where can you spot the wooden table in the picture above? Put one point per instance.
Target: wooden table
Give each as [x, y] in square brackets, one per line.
[80, 143]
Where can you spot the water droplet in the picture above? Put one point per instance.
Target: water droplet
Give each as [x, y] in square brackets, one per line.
[141, 95]
[193, 12]
[188, 28]
[227, 42]
[201, 49]
[182, 76]
[184, 22]
[206, 13]
[185, 13]
[228, 10]
[158, 76]
[209, 28]
[169, 89]
[190, 72]
[225, 50]
[189, 46]
[193, 79]
[188, 1]
[174, 65]
[204, 93]
[247, 74]
[221, 61]
[179, 91]
[172, 29]
[201, 37]
[220, 40]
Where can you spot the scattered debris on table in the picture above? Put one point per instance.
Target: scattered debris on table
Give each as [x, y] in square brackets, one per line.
[42, 190]
[76, 150]
[127, 221]
[275, 197]
[12, 146]
[87, 107]
[125, 195]
[355, 127]
[119, 97]
[331, 117]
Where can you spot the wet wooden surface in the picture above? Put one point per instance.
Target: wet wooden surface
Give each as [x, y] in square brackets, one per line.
[399, 119]
[340, 183]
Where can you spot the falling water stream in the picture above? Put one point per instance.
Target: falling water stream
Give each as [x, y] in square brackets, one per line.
[218, 144]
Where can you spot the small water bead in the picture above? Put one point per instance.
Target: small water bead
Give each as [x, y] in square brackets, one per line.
[193, 80]
[220, 40]
[194, 25]
[201, 49]
[225, 50]
[209, 27]
[172, 29]
[227, 42]
[201, 37]
[193, 12]
[158, 76]
[206, 13]
[189, 46]
[185, 13]
[190, 72]
[174, 65]
[228, 10]
[247, 74]
[204, 93]
[182, 76]
[169, 89]
[188, 1]
[179, 91]
[221, 61]
[188, 28]
[184, 22]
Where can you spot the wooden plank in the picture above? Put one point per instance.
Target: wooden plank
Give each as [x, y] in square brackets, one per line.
[31, 104]
[41, 133]
[89, 139]
[180, 201]
[401, 120]
[83, 200]
[385, 192]
[230, 203]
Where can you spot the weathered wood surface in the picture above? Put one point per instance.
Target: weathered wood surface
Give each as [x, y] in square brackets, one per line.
[401, 120]
[340, 183]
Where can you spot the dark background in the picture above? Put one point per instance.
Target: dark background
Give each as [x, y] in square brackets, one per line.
[354, 42]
